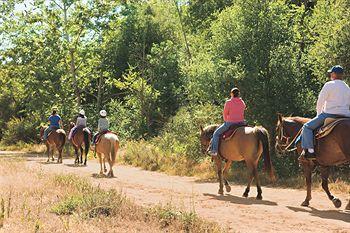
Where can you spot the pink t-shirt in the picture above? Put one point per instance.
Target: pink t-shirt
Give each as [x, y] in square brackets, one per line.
[234, 110]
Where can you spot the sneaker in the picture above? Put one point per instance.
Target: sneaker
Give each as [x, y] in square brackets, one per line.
[212, 153]
[308, 155]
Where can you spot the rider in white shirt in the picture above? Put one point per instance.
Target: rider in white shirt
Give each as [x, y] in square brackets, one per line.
[333, 102]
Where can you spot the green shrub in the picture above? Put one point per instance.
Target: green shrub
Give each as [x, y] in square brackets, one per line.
[181, 134]
[21, 129]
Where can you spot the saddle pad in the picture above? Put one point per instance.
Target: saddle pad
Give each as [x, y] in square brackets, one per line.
[231, 131]
[99, 136]
[327, 129]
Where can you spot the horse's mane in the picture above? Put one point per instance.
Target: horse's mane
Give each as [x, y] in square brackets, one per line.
[301, 120]
[209, 130]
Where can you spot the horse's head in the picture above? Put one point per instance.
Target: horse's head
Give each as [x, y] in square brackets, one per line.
[71, 125]
[287, 130]
[205, 136]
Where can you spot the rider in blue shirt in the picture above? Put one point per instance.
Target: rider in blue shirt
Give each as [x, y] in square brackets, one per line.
[55, 122]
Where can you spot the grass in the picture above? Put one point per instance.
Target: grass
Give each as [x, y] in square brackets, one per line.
[32, 201]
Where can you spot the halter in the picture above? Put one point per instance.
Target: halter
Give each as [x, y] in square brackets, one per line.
[287, 145]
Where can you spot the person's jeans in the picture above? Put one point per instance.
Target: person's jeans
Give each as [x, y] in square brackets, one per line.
[217, 133]
[47, 131]
[307, 138]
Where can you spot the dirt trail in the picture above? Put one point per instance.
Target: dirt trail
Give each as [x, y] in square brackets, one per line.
[279, 211]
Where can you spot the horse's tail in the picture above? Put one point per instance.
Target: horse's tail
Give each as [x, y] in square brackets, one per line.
[263, 137]
[62, 135]
[114, 148]
[86, 141]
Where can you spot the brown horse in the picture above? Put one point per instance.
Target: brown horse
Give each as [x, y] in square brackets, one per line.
[81, 137]
[334, 149]
[248, 144]
[107, 149]
[56, 139]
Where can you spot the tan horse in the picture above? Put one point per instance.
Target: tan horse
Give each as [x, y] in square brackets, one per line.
[56, 139]
[81, 137]
[107, 149]
[332, 150]
[248, 144]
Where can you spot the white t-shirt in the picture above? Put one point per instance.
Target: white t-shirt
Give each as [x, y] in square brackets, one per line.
[334, 98]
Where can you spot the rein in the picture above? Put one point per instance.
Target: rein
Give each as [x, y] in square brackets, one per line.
[286, 149]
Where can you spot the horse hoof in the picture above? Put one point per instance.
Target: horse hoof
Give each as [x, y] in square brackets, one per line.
[305, 203]
[259, 197]
[105, 170]
[221, 192]
[336, 202]
[245, 194]
[228, 188]
[348, 206]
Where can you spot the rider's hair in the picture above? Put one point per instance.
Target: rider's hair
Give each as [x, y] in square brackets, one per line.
[81, 115]
[54, 112]
[235, 91]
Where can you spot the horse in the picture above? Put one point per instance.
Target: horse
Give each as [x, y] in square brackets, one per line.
[82, 136]
[107, 149]
[248, 144]
[334, 149]
[56, 139]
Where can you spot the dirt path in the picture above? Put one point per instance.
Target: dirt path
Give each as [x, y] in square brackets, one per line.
[279, 211]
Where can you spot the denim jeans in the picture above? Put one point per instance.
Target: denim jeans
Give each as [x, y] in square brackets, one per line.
[218, 132]
[307, 138]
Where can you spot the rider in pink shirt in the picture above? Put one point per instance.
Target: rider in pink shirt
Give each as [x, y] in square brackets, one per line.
[233, 114]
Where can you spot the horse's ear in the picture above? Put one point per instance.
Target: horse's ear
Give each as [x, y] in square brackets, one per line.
[280, 118]
[201, 127]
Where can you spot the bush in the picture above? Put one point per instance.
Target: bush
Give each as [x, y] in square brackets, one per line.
[21, 130]
[181, 134]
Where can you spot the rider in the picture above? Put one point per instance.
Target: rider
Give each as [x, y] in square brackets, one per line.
[55, 122]
[333, 101]
[103, 125]
[233, 115]
[81, 123]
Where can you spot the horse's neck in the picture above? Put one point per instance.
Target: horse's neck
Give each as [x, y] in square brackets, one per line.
[293, 129]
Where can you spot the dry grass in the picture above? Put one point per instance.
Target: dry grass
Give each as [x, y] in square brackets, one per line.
[32, 201]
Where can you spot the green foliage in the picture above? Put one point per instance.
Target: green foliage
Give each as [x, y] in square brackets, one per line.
[21, 129]
[180, 135]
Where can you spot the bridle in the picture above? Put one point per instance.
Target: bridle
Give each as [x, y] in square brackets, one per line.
[289, 145]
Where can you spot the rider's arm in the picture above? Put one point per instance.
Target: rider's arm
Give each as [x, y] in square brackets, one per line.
[60, 123]
[322, 97]
[226, 111]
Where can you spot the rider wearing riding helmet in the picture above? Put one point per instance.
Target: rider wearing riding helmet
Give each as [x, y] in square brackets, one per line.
[103, 124]
[55, 122]
[81, 123]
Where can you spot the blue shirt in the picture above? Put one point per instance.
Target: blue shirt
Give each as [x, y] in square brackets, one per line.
[54, 120]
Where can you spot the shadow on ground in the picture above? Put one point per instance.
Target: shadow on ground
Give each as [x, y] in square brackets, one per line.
[240, 200]
[326, 214]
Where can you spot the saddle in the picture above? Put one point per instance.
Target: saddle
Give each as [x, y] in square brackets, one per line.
[228, 134]
[328, 126]
[99, 135]
[85, 129]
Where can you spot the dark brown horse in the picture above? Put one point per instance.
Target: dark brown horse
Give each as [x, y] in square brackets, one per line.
[334, 149]
[81, 137]
[248, 144]
[56, 139]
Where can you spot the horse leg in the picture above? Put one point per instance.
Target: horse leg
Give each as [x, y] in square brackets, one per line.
[76, 155]
[226, 168]
[110, 173]
[251, 177]
[307, 168]
[100, 158]
[104, 164]
[219, 172]
[52, 154]
[59, 160]
[81, 154]
[48, 152]
[325, 175]
[257, 181]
